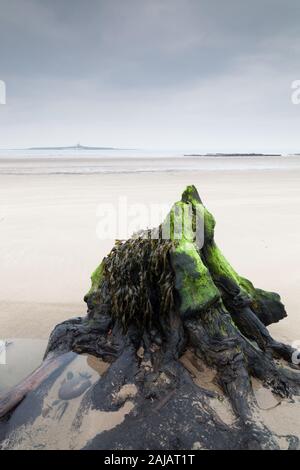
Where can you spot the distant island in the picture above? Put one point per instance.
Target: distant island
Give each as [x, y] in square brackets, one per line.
[234, 155]
[73, 147]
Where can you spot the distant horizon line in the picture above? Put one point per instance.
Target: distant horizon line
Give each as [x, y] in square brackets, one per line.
[186, 153]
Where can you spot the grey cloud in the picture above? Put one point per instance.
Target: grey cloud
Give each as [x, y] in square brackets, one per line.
[137, 42]
[127, 57]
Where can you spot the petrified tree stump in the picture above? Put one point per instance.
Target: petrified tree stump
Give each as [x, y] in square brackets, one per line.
[152, 299]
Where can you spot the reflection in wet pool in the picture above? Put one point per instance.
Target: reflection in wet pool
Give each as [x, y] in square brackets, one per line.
[23, 356]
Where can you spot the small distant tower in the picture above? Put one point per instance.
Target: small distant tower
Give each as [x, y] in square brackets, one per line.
[78, 146]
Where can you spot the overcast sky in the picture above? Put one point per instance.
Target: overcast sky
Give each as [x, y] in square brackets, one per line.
[206, 75]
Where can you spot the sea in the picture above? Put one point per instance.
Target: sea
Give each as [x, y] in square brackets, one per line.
[86, 161]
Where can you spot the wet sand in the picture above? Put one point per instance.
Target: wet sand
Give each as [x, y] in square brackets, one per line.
[68, 420]
[22, 356]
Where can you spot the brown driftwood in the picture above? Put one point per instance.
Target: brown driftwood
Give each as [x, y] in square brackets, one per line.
[10, 399]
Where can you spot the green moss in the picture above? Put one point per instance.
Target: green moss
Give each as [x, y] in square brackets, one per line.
[191, 195]
[218, 264]
[209, 226]
[266, 305]
[192, 279]
[178, 225]
[96, 278]
[201, 214]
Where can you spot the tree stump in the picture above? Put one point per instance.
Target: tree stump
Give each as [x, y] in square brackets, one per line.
[155, 299]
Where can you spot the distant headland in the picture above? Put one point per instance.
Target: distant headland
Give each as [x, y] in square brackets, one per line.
[73, 147]
[233, 155]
